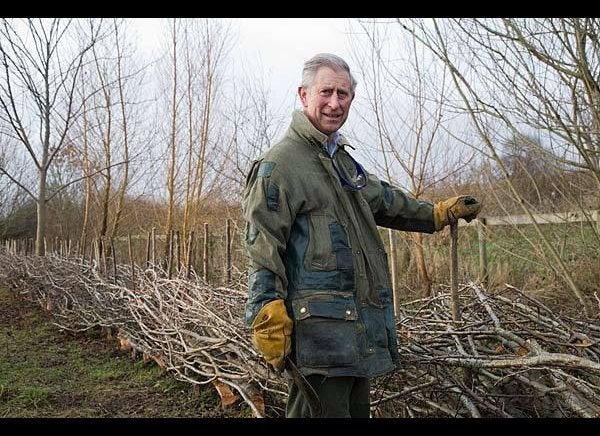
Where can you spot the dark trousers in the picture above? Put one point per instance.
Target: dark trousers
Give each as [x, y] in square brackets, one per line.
[341, 397]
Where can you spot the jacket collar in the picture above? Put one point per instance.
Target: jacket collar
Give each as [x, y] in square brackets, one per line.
[304, 129]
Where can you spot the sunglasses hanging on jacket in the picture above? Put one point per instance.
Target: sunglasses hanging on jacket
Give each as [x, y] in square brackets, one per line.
[351, 174]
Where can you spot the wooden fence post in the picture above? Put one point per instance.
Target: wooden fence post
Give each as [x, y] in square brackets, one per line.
[148, 249]
[456, 316]
[96, 250]
[81, 249]
[177, 252]
[131, 263]
[228, 251]
[114, 260]
[483, 262]
[153, 242]
[169, 250]
[103, 250]
[189, 254]
[170, 256]
[395, 291]
[91, 257]
[205, 254]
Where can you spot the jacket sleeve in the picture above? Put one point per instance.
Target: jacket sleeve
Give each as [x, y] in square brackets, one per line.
[268, 222]
[396, 209]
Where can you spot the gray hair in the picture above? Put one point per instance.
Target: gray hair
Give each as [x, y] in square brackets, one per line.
[332, 61]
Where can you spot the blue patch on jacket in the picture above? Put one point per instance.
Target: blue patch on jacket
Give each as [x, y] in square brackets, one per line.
[388, 195]
[265, 169]
[261, 290]
[273, 196]
[340, 279]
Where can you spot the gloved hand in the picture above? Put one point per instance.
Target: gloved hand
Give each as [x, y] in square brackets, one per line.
[450, 210]
[272, 329]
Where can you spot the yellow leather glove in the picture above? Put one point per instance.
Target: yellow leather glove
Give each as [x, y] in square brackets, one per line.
[450, 210]
[272, 329]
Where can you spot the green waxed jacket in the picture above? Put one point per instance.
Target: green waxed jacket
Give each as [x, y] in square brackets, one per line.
[316, 245]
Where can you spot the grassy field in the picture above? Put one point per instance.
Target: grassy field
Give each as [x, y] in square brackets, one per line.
[518, 256]
[45, 372]
[521, 259]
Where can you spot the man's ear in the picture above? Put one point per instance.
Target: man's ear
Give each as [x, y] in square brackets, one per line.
[302, 94]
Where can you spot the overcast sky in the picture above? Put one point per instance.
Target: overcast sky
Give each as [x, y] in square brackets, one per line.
[283, 44]
[276, 47]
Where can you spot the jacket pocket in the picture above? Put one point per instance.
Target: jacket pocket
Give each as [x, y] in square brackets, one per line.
[326, 331]
[319, 253]
[374, 318]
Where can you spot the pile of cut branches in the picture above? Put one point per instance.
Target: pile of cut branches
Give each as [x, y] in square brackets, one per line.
[510, 356]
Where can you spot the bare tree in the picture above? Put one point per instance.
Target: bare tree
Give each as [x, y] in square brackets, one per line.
[191, 76]
[87, 193]
[99, 142]
[41, 62]
[173, 133]
[124, 126]
[13, 200]
[255, 122]
[207, 43]
[405, 105]
[516, 76]
[104, 124]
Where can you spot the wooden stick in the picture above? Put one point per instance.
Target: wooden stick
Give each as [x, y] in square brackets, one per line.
[205, 254]
[454, 272]
[114, 260]
[228, 251]
[131, 263]
[148, 249]
[189, 254]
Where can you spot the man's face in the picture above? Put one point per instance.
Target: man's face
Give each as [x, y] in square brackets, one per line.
[327, 102]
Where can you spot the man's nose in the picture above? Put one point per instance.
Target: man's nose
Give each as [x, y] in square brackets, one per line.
[334, 101]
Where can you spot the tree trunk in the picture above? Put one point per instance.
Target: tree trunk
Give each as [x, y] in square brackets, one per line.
[40, 231]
